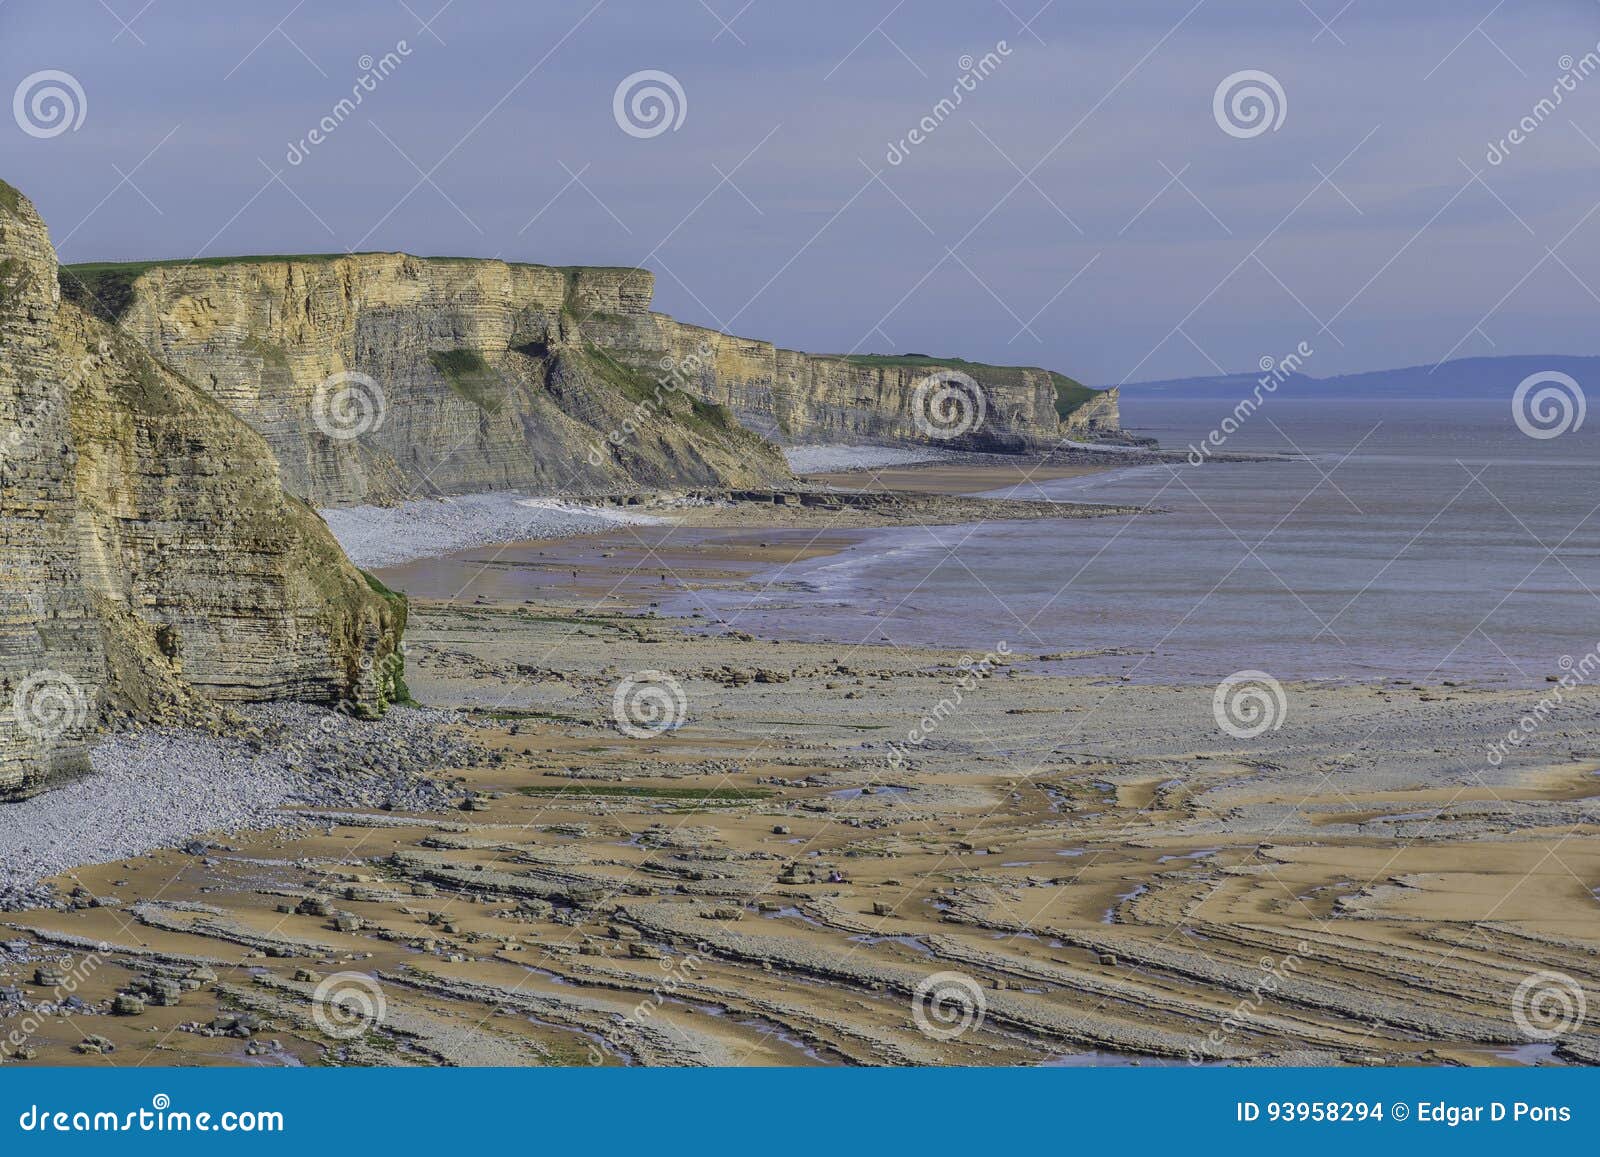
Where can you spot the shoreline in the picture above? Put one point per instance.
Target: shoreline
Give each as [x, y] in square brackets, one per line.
[506, 528]
[819, 826]
[418, 529]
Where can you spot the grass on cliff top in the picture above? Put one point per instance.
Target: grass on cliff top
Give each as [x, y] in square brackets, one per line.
[10, 199]
[1070, 394]
[105, 288]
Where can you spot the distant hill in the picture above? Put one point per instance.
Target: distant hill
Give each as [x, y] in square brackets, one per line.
[1464, 378]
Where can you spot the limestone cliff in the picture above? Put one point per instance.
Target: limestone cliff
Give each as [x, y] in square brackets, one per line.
[150, 561]
[477, 375]
[795, 397]
[381, 376]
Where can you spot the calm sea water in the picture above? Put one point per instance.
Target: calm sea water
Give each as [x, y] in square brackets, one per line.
[1421, 540]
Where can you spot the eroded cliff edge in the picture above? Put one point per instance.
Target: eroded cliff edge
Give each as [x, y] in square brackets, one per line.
[151, 564]
[511, 376]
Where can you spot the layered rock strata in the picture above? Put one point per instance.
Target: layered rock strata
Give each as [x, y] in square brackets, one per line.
[151, 564]
[478, 375]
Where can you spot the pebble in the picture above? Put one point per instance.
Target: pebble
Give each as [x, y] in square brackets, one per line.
[159, 787]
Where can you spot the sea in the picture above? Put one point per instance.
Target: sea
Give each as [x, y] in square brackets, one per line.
[1415, 538]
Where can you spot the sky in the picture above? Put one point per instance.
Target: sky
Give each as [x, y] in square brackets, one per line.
[1088, 205]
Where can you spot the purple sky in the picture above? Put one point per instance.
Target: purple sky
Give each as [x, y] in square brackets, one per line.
[1082, 208]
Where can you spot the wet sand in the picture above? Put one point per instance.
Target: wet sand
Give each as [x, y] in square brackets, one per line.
[632, 567]
[944, 478]
[721, 546]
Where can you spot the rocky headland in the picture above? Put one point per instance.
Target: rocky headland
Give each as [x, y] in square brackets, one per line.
[153, 564]
[486, 375]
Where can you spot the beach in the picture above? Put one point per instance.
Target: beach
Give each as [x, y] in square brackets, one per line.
[618, 835]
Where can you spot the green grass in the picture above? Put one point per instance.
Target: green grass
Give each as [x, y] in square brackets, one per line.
[471, 377]
[396, 690]
[271, 353]
[1070, 394]
[10, 199]
[376, 585]
[458, 362]
[105, 288]
[633, 791]
[638, 387]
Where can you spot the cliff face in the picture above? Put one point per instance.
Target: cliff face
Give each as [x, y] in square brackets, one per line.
[795, 397]
[150, 562]
[485, 375]
[472, 375]
[50, 643]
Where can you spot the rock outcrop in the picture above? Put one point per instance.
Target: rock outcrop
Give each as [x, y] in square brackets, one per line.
[151, 564]
[380, 376]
